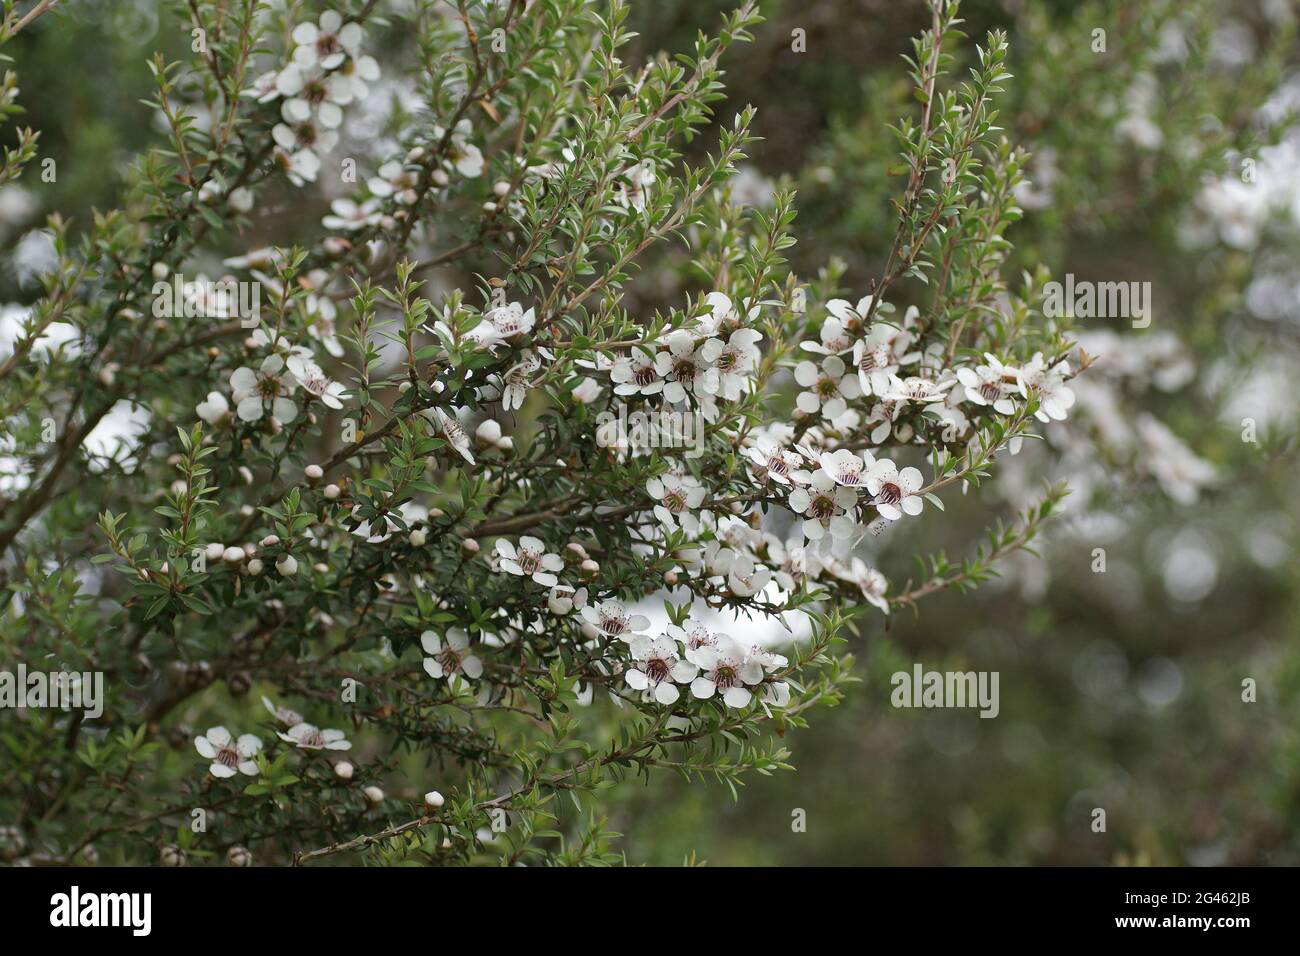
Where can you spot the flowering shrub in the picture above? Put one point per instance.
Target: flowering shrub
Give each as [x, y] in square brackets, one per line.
[335, 481]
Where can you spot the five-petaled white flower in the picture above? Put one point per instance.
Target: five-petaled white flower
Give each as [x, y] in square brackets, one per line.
[613, 620]
[893, 490]
[310, 737]
[658, 668]
[726, 669]
[683, 363]
[991, 384]
[451, 658]
[326, 43]
[227, 754]
[1055, 397]
[729, 367]
[256, 393]
[530, 560]
[825, 506]
[633, 193]
[828, 387]
[774, 463]
[881, 352]
[678, 497]
[636, 373]
[315, 382]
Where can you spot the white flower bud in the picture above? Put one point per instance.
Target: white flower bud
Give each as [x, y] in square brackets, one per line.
[321, 568]
[501, 187]
[433, 800]
[270, 541]
[489, 433]
[332, 492]
[343, 770]
[470, 545]
[246, 473]
[256, 567]
[374, 794]
[160, 271]
[287, 565]
[418, 538]
[214, 551]
[239, 856]
[233, 555]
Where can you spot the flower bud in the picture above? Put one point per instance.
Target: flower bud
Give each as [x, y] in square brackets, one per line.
[239, 856]
[314, 473]
[343, 770]
[433, 800]
[470, 545]
[233, 555]
[418, 538]
[332, 492]
[287, 565]
[374, 794]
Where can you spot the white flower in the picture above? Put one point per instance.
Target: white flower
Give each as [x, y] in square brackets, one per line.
[455, 434]
[635, 191]
[893, 489]
[825, 505]
[563, 599]
[881, 352]
[851, 316]
[257, 392]
[327, 43]
[530, 560]
[726, 668]
[283, 714]
[658, 668]
[916, 389]
[586, 391]
[348, 215]
[991, 384]
[502, 323]
[636, 373]
[310, 737]
[396, 180]
[462, 155]
[228, 755]
[723, 315]
[693, 637]
[683, 363]
[869, 581]
[774, 463]
[1055, 397]
[612, 619]
[828, 387]
[451, 659]
[678, 496]
[315, 382]
[745, 579]
[213, 409]
[834, 338]
[302, 133]
[844, 466]
[729, 366]
[311, 90]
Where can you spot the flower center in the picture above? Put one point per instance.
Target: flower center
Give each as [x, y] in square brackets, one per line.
[674, 501]
[228, 757]
[657, 669]
[890, 494]
[644, 375]
[529, 561]
[991, 391]
[827, 387]
[725, 676]
[822, 507]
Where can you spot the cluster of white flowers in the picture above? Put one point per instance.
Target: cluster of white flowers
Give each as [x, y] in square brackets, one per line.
[231, 755]
[326, 71]
[263, 390]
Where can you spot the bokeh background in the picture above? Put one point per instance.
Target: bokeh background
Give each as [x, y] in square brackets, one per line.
[1166, 157]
